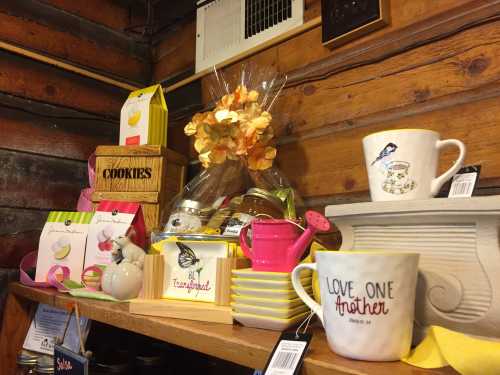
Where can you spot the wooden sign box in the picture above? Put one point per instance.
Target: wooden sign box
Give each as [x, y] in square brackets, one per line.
[218, 312]
[150, 175]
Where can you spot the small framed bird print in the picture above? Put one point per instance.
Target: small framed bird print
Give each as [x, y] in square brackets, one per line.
[191, 269]
[345, 20]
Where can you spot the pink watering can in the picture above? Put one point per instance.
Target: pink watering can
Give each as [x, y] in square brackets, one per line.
[277, 245]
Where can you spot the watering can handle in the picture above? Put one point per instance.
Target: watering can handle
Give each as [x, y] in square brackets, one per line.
[243, 242]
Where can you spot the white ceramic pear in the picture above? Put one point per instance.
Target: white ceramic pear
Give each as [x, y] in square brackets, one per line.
[122, 279]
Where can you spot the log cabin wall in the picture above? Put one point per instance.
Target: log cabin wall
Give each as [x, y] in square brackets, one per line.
[51, 119]
[435, 66]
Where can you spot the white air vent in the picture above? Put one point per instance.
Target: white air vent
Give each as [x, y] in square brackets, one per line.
[226, 28]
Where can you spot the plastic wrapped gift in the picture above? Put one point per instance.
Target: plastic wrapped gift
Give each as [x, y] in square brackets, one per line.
[235, 145]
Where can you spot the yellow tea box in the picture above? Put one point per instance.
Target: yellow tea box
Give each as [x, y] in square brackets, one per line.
[143, 118]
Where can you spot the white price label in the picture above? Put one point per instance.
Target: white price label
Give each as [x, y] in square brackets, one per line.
[462, 185]
[286, 357]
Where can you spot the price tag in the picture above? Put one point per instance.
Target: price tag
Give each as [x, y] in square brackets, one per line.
[288, 354]
[67, 362]
[464, 182]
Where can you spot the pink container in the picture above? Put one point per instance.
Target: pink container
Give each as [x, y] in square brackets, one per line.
[277, 245]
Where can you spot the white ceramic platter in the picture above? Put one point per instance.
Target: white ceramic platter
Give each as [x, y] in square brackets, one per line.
[267, 293]
[277, 276]
[268, 312]
[273, 303]
[275, 324]
[267, 284]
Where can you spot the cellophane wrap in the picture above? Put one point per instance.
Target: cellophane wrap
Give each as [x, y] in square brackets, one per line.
[236, 145]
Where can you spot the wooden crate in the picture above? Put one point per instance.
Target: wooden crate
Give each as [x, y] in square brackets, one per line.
[139, 168]
[150, 175]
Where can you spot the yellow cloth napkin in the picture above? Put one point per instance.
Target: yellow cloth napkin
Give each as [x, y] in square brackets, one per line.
[467, 355]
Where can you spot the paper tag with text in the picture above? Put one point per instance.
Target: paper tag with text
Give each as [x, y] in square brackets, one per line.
[464, 182]
[288, 354]
[47, 324]
[67, 362]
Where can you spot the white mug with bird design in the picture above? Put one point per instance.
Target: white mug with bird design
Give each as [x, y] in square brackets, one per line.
[402, 164]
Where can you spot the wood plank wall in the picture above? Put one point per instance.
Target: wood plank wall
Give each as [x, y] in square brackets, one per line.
[51, 120]
[435, 67]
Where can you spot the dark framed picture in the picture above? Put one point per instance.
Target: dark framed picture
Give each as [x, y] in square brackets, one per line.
[345, 20]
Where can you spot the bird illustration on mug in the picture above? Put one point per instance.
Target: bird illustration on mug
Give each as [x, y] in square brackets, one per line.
[387, 150]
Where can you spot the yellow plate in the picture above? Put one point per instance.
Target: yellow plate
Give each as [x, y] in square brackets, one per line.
[272, 312]
[276, 276]
[266, 322]
[267, 284]
[267, 302]
[267, 293]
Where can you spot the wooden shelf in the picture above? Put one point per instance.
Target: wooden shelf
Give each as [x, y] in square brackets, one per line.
[246, 346]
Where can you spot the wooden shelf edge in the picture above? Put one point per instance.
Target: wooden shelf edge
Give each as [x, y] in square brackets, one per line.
[133, 196]
[41, 295]
[249, 347]
[182, 310]
[65, 66]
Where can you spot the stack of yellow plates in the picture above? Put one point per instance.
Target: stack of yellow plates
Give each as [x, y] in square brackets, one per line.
[267, 299]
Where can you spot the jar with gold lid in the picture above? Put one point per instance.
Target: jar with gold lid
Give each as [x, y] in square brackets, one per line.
[44, 365]
[256, 202]
[26, 362]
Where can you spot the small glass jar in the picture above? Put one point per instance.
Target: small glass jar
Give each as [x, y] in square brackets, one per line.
[26, 363]
[186, 218]
[44, 365]
[256, 202]
[261, 202]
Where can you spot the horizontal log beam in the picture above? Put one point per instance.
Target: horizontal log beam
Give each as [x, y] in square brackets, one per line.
[176, 52]
[51, 31]
[15, 221]
[451, 71]
[41, 128]
[110, 13]
[334, 164]
[32, 80]
[16, 245]
[33, 181]
[399, 40]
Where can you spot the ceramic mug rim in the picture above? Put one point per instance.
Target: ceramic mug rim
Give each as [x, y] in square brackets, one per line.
[368, 252]
[401, 131]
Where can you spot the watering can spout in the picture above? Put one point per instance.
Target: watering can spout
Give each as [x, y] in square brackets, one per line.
[315, 223]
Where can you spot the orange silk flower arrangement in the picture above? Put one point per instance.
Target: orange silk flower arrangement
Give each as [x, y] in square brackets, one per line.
[238, 128]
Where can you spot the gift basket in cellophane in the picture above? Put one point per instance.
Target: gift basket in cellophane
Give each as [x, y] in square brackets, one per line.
[240, 205]
[235, 146]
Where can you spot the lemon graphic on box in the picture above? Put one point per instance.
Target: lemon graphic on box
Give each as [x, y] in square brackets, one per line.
[61, 248]
[134, 116]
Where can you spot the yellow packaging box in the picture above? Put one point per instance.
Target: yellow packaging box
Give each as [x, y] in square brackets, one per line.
[144, 117]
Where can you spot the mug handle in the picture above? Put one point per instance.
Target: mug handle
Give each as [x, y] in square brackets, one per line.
[299, 289]
[438, 182]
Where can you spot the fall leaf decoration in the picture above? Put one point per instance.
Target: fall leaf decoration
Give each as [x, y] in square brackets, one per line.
[237, 128]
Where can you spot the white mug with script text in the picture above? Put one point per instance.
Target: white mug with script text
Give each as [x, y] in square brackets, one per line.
[368, 301]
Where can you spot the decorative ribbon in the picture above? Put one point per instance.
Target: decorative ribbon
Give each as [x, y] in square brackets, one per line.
[29, 262]
[52, 277]
[96, 270]
[85, 201]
